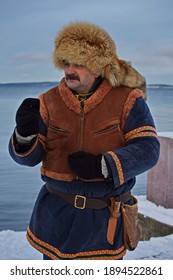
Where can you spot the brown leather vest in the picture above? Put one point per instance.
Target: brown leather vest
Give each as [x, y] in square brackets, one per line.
[93, 126]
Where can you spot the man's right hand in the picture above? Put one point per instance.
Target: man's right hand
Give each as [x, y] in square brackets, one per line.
[27, 117]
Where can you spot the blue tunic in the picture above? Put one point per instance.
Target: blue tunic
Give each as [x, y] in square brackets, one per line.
[61, 231]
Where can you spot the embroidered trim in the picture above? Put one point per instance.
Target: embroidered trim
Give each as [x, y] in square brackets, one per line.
[55, 254]
[142, 134]
[136, 131]
[27, 153]
[136, 93]
[118, 165]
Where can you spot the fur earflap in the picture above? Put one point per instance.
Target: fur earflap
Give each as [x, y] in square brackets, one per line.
[131, 78]
[89, 45]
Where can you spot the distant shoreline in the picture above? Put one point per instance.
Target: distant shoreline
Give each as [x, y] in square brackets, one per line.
[160, 86]
[46, 83]
[29, 83]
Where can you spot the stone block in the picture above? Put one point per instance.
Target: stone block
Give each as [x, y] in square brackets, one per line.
[160, 177]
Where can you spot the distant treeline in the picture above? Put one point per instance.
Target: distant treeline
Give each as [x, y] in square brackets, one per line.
[30, 83]
[164, 86]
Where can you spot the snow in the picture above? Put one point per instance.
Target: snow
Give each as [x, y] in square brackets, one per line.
[165, 134]
[151, 210]
[14, 246]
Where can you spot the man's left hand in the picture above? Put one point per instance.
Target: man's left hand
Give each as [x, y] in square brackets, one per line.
[86, 165]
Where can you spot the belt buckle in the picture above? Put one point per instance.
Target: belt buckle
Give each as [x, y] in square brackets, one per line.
[76, 203]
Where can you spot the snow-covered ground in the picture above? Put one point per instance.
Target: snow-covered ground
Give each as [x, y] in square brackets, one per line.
[165, 134]
[14, 246]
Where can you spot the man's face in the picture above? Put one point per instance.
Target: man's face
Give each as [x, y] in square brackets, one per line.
[78, 78]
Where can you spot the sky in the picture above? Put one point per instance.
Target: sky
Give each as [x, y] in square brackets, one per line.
[142, 31]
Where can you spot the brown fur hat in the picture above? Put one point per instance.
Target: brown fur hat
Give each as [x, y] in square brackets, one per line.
[87, 44]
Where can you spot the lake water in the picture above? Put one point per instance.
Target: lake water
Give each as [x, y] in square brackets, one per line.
[19, 185]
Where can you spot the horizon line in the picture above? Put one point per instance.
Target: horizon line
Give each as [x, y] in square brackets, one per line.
[55, 82]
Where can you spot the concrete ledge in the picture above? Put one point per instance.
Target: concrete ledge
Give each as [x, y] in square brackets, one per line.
[152, 228]
[160, 177]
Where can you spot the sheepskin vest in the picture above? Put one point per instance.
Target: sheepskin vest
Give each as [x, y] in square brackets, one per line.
[93, 126]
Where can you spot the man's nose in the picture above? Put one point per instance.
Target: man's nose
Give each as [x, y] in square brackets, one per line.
[70, 68]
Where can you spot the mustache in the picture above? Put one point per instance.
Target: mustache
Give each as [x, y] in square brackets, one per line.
[72, 77]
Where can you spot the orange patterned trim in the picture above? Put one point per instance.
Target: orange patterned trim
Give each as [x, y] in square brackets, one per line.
[118, 165]
[142, 134]
[27, 153]
[139, 129]
[55, 254]
[136, 93]
[42, 250]
[40, 138]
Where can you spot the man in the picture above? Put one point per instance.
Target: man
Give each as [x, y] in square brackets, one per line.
[93, 134]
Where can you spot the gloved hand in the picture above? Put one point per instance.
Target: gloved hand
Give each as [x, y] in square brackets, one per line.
[86, 165]
[27, 117]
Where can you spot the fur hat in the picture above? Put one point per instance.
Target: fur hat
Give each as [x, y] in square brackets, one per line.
[87, 44]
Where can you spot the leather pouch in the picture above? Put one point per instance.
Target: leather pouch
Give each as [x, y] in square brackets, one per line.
[131, 228]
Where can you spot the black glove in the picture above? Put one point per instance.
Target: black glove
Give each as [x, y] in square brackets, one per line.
[86, 165]
[27, 117]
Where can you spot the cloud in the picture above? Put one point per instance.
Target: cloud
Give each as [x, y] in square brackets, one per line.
[153, 59]
[166, 52]
[27, 34]
[40, 57]
[153, 55]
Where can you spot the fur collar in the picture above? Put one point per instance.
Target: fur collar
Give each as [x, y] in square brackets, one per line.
[74, 104]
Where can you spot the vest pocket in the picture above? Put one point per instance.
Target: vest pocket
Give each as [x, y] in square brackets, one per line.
[108, 129]
[58, 129]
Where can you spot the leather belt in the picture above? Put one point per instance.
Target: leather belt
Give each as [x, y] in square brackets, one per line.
[82, 202]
